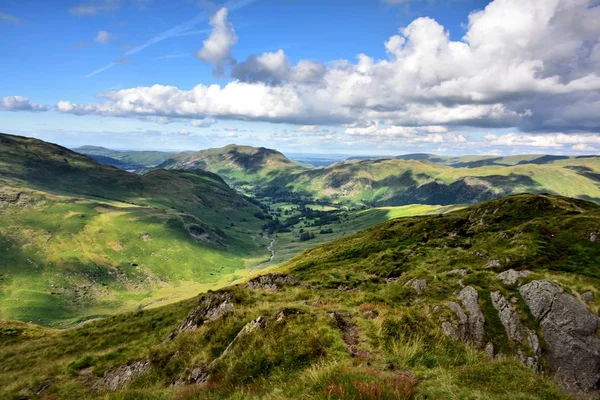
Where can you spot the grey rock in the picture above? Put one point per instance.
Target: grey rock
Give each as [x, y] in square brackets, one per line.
[570, 334]
[508, 316]
[117, 378]
[193, 376]
[489, 350]
[419, 285]
[476, 320]
[511, 277]
[593, 237]
[212, 306]
[587, 297]
[493, 264]
[470, 322]
[272, 282]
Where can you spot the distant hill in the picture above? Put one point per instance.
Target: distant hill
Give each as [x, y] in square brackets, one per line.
[495, 301]
[82, 239]
[129, 160]
[394, 181]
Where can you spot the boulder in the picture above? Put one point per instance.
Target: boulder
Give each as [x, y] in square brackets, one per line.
[570, 334]
[587, 297]
[511, 277]
[419, 285]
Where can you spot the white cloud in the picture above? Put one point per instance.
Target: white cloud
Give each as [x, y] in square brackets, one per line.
[308, 128]
[533, 65]
[548, 140]
[216, 49]
[203, 123]
[275, 69]
[103, 37]
[95, 7]
[9, 18]
[19, 103]
[583, 147]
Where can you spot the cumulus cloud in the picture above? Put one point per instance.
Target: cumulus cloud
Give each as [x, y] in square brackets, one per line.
[216, 49]
[276, 69]
[19, 103]
[103, 37]
[533, 66]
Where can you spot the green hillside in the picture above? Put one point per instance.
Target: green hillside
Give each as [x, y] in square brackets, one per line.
[80, 239]
[412, 179]
[412, 308]
[126, 159]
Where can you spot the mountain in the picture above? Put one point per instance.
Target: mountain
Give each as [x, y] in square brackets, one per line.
[495, 301]
[128, 160]
[81, 239]
[239, 164]
[411, 179]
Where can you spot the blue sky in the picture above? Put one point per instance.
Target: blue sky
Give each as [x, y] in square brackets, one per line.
[441, 76]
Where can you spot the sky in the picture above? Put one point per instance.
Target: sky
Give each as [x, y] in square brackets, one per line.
[363, 77]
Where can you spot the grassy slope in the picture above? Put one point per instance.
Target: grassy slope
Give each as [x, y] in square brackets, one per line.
[423, 179]
[287, 244]
[126, 159]
[81, 239]
[304, 356]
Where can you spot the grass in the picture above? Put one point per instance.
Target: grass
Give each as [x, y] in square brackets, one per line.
[395, 347]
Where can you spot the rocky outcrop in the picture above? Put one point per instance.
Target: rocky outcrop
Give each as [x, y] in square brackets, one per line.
[511, 277]
[117, 378]
[526, 341]
[419, 285]
[193, 376]
[476, 320]
[212, 306]
[272, 282]
[570, 333]
[470, 323]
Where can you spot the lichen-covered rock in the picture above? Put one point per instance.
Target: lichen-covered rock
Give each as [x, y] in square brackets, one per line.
[212, 306]
[511, 277]
[419, 285]
[508, 316]
[475, 318]
[469, 324]
[515, 331]
[116, 378]
[272, 282]
[570, 334]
